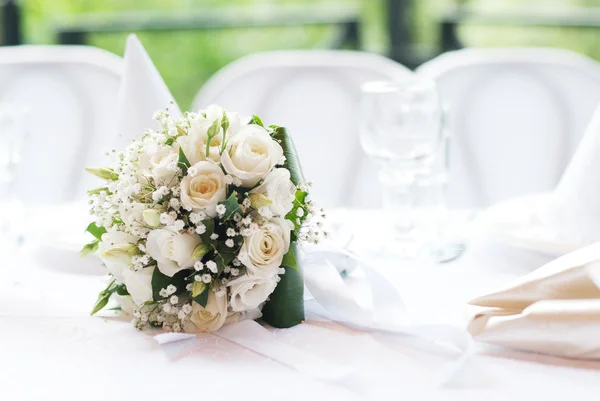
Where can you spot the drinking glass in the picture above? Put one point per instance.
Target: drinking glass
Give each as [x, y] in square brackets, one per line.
[402, 129]
[13, 130]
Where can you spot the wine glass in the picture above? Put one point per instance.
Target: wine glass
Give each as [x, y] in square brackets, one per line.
[402, 129]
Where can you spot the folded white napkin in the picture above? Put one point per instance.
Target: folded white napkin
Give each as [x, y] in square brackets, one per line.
[553, 310]
[142, 92]
[574, 206]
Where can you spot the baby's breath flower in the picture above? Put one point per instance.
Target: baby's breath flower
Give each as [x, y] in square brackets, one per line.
[236, 262]
[235, 271]
[192, 171]
[229, 243]
[206, 278]
[221, 210]
[201, 229]
[198, 266]
[231, 232]
[299, 212]
[265, 212]
[178, 225]
[212, 266]
[171, 289]
[214, 236]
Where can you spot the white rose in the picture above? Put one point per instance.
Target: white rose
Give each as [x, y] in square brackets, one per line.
[279, 189]
[251, 155]
[173, 251]
[194, 143]
[249, 291]
[210, 318]
[155, 160]
[205, 190]
[263, 251]
[116, 250]
[234, 317]
[139, 284]
[126, 303]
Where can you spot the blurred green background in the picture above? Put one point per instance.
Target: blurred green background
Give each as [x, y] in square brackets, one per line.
[187, 59]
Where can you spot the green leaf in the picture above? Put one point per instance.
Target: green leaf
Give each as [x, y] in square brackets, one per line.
[292, 162]
[210, 229]
[202, 298]
[293, 214]
[289, 259]
[121, 290]
[231, 204]
[96, 231]
[96, 191]
[223, 258]
[104, 173]
[183, 163]
[256, 120]
[89, 249]
[160, 281]
[285, 307]
[170, 141]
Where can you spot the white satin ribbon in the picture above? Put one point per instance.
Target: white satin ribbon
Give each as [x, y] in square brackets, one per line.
[385, 317]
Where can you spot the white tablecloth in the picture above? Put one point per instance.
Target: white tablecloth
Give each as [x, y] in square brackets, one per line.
[50, 348]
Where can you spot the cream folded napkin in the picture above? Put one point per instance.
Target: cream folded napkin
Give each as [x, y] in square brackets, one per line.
[554, 310]
[573, 208]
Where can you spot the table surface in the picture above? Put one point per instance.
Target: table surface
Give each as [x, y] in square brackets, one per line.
[51, 348]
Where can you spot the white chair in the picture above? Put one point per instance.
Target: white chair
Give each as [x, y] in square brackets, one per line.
[516, 116]
[316, 95]
[70, 95]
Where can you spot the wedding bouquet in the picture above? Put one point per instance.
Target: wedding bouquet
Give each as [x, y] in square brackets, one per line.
[198, 223]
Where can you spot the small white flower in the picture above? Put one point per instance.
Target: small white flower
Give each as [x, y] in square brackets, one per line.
[214, 236]
[174, 203]
[196, 218]
[228, 179]
[201, 229]
[198, 277]
[174, 299]
[281, 270]
[171, 289]
[212, 266]
[235, 271]
[265, 212]
[231, 232]
[187, 308]
[178, 225]
[181, 315]
[172, 166]
[192, 171]
[230, 243]
[188, 287]
[198, 266]
[176, 327]
[246, 203]
[247, 220]
[281, 160]
[172, 131]
[175, 191]
[237, 217]
[142, 247]
[236, 262]
[166, 219]
[300, 212]
[206, 278]
[227, 269]
[221, 209]
[163, 293]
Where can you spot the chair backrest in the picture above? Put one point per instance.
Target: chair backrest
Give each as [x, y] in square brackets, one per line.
[515, 115]
[316, 95]
[70, 95]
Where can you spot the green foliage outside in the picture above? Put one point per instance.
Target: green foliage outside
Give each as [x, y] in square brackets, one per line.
[187, 59]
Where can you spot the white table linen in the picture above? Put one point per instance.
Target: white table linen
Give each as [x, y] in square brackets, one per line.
[51, 348]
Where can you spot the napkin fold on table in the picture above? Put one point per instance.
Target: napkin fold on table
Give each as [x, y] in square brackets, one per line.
[554, 310]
